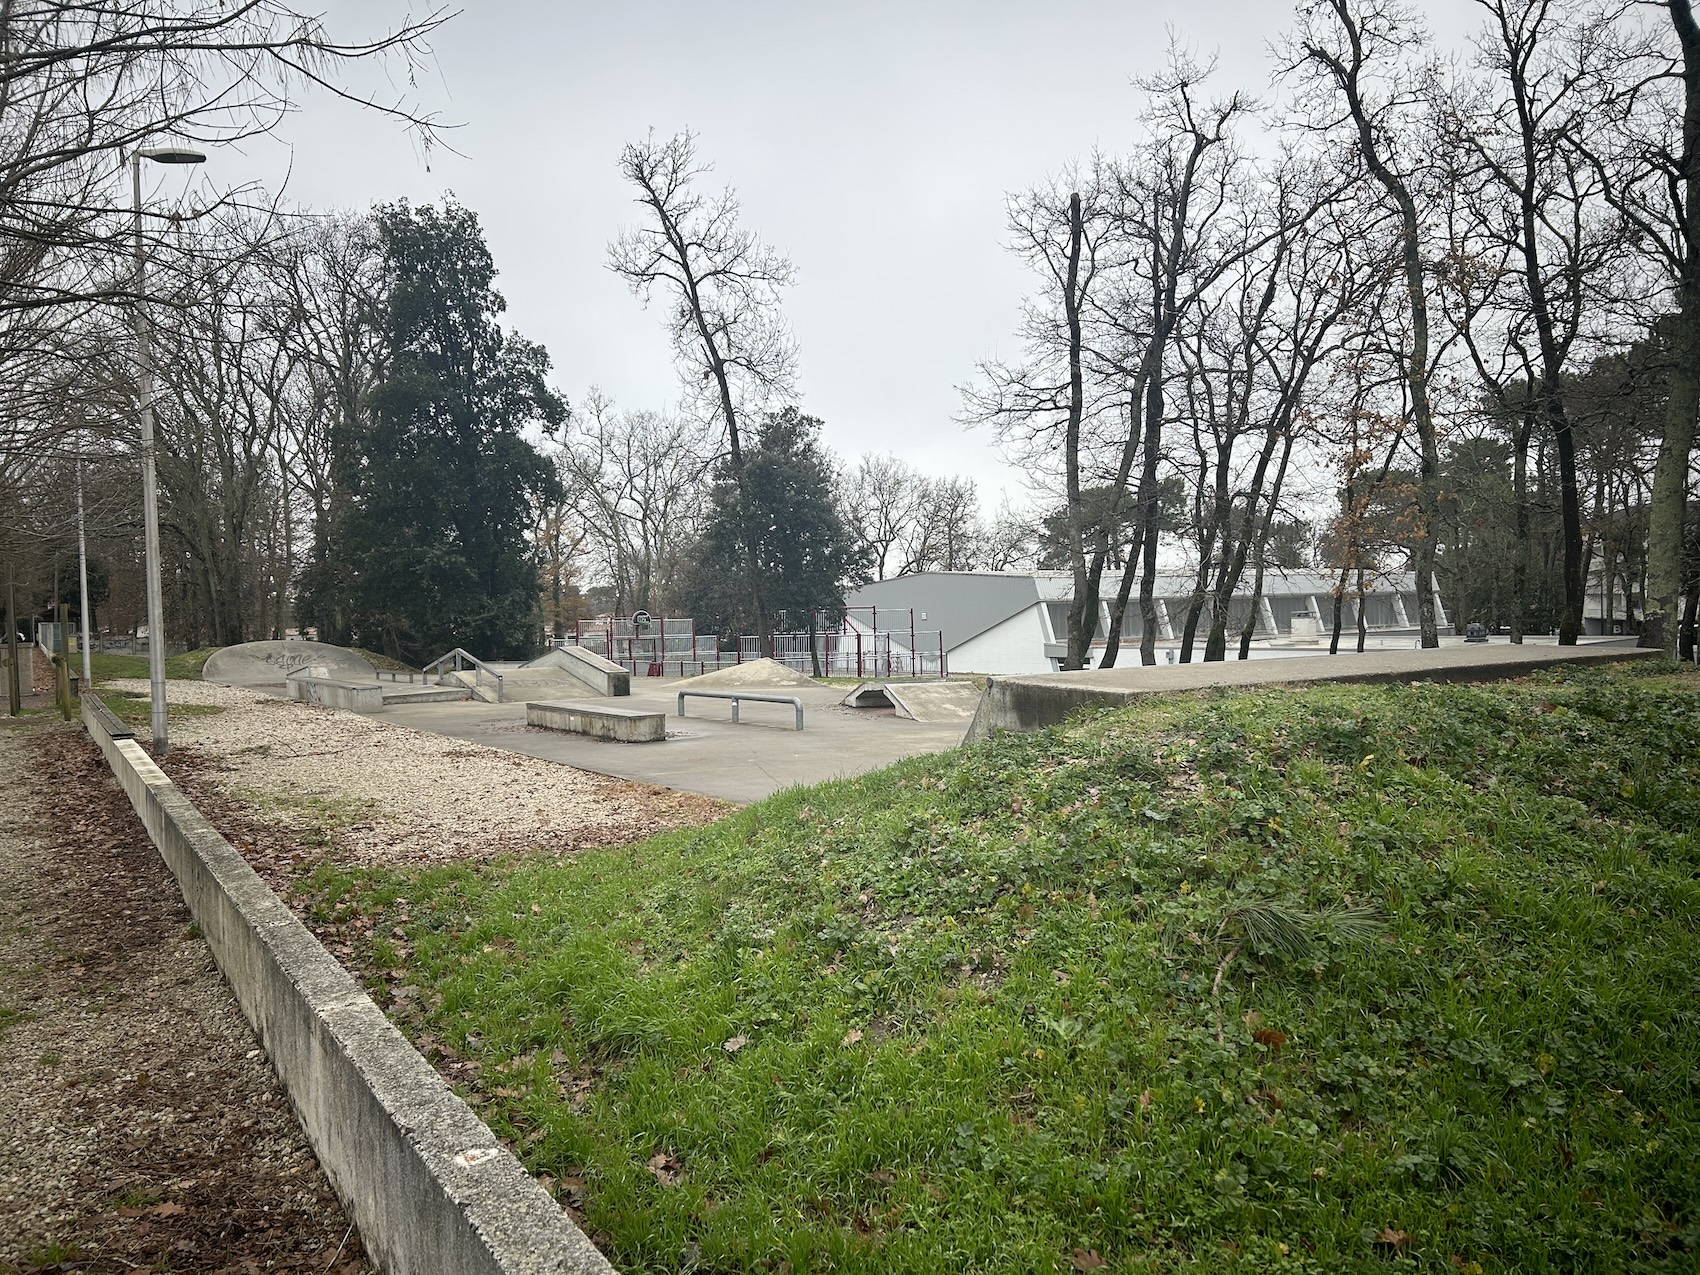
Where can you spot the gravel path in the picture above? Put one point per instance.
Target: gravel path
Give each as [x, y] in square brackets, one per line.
[142, 1128]
[384, 793]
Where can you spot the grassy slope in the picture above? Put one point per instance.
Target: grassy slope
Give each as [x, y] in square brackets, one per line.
[186, 666]
[990, 1022]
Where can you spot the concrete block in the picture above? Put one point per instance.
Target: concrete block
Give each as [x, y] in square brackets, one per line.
[333, 692]
[600, 721]
[424, 1179]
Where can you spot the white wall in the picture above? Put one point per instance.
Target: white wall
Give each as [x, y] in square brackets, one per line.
[1016, 645]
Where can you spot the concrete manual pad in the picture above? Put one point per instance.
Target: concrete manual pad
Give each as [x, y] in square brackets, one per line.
[704, 752]
[266, 665]
[934, 701]
[600, 721]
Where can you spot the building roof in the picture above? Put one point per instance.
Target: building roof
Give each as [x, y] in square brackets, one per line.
[964, 604]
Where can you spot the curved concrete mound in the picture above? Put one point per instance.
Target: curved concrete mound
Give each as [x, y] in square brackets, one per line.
[751, 673]
[265, 665]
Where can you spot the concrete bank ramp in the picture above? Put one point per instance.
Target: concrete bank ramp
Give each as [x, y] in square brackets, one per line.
[265, 665]
[934, 701]
[930, 701]
[521, 684]
[595, 674]
[754, 673]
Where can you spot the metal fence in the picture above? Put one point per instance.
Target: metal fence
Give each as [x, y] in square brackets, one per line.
[850, 643]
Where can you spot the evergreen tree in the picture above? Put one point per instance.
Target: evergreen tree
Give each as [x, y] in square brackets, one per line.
[787, 511]
[442, 481]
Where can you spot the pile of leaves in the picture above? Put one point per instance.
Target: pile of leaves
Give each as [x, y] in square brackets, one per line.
[1295, 980]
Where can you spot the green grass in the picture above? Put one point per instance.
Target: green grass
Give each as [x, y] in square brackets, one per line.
[187, 666]
[1350, 978]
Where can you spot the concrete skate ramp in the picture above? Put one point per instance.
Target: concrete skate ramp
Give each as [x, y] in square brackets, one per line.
[754, 673]
[934, 701]
[598, 676]
[266, 664]
[867, 695]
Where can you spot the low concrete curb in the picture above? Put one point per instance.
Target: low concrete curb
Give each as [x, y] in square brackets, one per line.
[422, 1177]
[1032, 703]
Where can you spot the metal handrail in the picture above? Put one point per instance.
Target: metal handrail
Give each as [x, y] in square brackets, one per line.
[479, 667]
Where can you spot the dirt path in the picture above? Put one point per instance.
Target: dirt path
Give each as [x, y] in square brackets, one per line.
[140, 1126]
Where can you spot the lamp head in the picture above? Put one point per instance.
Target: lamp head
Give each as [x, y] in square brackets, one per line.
[172, 155]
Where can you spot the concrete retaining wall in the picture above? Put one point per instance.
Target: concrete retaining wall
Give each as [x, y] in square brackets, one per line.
[421, 1176]
[1032, 703]
[623, 725]
[356, 697]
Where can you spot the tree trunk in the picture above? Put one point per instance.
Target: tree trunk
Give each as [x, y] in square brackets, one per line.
[1670, 476]
[1083, 607]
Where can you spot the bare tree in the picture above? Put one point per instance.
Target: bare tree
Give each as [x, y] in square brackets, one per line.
[1660, 197]
[1356, 52]
[721, 287]
[638, 482]
[1051, 408]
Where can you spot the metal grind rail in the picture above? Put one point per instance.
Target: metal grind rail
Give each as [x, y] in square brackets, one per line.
[462, 660]
[736, 696]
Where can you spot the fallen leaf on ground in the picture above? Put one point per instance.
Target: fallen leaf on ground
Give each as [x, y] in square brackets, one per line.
[1392, 1238]
[1087, 1259]
[852, 1036]
[666, 1168]
[735, 1044]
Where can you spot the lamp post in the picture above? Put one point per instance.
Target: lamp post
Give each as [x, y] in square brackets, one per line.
[144, 394]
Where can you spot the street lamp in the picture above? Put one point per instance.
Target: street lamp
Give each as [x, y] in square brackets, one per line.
[144, 392]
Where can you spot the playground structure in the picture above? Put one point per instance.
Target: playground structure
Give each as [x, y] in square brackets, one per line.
[861, 642]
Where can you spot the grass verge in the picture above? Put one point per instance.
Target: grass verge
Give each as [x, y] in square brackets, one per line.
[1341, 978]
[187, 666]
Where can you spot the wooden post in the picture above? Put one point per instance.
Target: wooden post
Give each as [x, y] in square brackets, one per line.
[14, 687]
[62, 661]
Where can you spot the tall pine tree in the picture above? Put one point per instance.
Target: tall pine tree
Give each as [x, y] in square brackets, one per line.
[786, 510]
[442, 480]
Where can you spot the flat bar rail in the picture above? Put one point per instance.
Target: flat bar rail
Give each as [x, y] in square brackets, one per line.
[736, 696]
[458, 655]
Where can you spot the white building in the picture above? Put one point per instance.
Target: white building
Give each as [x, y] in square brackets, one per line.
[1013, 622]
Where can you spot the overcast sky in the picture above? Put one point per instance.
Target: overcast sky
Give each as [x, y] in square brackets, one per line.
[874, 143]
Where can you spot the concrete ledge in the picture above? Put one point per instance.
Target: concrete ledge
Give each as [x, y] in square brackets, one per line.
[422, 1177]
[1032, 703]
[624, 725]
[599, 676]
[111, 725]
[425, 694]
[335, 692]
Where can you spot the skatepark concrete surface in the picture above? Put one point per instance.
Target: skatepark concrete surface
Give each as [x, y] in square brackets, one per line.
[264, 666]
[704, 752]
[1032, 703]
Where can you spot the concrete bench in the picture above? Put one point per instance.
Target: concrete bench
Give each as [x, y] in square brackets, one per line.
[335, 692]
[737, 696]
[599, 721]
